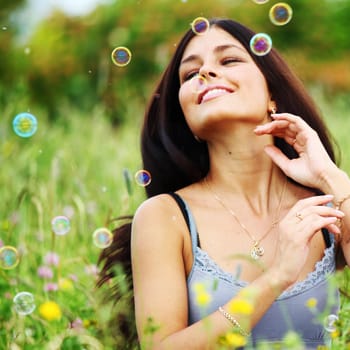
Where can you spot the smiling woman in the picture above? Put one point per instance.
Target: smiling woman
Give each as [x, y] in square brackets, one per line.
[241, 229]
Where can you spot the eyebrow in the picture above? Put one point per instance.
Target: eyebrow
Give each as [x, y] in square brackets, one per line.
[217, 49]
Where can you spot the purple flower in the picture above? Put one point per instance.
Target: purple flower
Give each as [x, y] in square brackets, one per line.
[51, 258]
[91, 269]
[77, 324]
[45, 272]
[50, 287]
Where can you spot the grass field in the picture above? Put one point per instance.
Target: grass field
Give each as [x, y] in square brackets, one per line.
[76, 167]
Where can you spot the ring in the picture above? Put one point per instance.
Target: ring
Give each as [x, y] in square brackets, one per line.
[299, 216]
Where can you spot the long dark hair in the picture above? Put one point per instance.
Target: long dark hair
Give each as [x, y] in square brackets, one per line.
[172, 155]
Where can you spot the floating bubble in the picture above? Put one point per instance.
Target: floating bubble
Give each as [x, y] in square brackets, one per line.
[60, 225]
[329, 323]
[102, 237]
[9, 257]
[198, 83]
[121, 56]
[24, 303]
[200, 25]
[260, 44]
[260, 1]
[143, 178]
[25, 124]
[280, 14]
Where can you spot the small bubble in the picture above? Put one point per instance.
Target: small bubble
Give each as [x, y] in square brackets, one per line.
[200, 25]
[104, 189]
[4, 28]
[143, 178]
[9, 257]
[121, 56]
[280, 14]
[60, 225]
[27, 50]
[90, 71]
[25, 124]
[24, 303]
[198, 83]
[102, 238]
[329, 323]
[260, 44]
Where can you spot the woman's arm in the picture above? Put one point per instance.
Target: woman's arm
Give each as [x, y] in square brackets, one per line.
[159, 276]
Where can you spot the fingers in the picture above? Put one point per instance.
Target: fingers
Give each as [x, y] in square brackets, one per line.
[285, 125]
[311, 214]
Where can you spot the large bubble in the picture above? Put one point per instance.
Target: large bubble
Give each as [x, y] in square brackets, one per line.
[102, 237]
[260, 44]
[143, 178]
[121, 56]
[200, 25]
[329, 323]
[24, 303]
[25, 124]
[60, 225]
[280, 14]
[9, 257]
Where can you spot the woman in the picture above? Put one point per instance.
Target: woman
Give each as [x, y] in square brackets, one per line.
[259, 208]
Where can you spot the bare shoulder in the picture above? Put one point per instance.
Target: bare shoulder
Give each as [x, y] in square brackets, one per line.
[158, 218]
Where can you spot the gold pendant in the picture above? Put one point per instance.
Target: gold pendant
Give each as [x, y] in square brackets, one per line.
[257, 252]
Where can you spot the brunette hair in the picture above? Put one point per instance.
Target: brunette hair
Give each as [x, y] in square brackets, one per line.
[171, 153]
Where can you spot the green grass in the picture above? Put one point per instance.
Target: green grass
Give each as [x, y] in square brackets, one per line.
[74, 167]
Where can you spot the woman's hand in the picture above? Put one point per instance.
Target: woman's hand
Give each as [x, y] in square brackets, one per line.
[313, 162]
[306, 218]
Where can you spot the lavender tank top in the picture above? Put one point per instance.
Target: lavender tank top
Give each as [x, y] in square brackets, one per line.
[289, 312]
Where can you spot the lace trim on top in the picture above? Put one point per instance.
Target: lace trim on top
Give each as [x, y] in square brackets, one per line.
[323, 268]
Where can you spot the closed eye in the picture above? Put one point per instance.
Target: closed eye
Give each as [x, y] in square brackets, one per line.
[230, 60]
[190, 75]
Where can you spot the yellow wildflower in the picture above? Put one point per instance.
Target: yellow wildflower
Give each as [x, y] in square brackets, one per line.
[65, 284]
[50, 311]
[335, 334]
[203, 298]
[311, 303]
[235, 340]
[240, 306]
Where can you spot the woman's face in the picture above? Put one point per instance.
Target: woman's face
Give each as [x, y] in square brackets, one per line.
[220, 83]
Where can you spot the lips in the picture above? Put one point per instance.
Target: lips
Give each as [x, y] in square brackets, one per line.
[213, 92]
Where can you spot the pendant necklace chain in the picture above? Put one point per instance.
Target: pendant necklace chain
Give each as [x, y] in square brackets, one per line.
[257, 251]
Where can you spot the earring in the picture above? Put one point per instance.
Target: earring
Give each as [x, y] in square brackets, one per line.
[273, 110]
[197, 138]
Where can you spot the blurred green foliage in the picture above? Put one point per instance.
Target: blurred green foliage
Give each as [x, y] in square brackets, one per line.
[67, 59]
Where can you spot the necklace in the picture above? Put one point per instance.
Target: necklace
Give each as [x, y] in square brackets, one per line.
[257, 251]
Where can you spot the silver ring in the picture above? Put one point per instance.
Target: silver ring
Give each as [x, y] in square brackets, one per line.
[299, 216]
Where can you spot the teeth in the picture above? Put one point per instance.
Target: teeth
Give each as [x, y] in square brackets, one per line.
[214, 92]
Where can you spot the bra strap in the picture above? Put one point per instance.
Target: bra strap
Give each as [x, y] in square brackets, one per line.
[187, 216]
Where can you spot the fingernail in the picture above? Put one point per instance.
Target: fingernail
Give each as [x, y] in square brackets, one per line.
[340, 213]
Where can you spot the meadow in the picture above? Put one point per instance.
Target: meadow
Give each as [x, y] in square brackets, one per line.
[82, 167]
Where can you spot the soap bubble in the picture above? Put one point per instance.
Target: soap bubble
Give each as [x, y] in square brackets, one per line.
[198, 83]
[9, 257]
[200, 25]
[102, 237]
[60, 225]
[24, 303]
[25, 124]
[261, 44]
[329, 323]
[121, 56]
[280, 14]
[143, 178]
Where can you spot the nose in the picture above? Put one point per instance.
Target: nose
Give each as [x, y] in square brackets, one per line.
[207, 72]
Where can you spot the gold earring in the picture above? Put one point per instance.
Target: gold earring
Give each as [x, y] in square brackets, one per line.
[273, 110]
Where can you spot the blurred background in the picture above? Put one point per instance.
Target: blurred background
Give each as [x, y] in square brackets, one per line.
[57, 52]
[80, 163]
